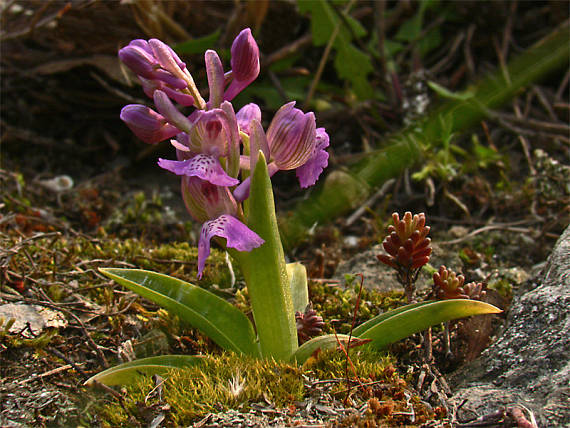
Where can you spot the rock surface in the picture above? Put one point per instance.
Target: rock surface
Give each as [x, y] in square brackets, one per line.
[382, 277]
[529, 364]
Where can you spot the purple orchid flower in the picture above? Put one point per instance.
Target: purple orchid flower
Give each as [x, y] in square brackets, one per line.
[309, 172]
[291, 142]
[213, 135]
[208, 141]
[237, 235]
[217, 209]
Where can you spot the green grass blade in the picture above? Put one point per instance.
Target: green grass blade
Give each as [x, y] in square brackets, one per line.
[403, 322]
[128, 372]
[219, 320]
[324, 343]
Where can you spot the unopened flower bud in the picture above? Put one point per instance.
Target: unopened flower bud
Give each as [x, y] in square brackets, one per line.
[147, 124]
[170, 112]
[244, 62]
[246, 114]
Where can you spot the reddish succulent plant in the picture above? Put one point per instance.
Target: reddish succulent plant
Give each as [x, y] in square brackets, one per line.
[408, 248]
[309, 324]
[474, 290]
[448, 285]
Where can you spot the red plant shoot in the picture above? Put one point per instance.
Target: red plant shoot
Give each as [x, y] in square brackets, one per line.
[408, 248]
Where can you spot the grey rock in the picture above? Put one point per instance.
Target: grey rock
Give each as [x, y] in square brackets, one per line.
[529, 364]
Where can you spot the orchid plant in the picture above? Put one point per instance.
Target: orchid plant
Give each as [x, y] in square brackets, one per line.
[226, 160]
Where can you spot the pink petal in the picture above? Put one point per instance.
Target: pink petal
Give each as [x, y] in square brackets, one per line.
[309, 172]
[202, 166]
[237, 235]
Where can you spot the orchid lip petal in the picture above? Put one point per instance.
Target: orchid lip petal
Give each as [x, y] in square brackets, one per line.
[237, 236]
[202, 166]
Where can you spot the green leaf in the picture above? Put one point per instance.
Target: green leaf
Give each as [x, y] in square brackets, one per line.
[216, 318]
[129, 372]
[198, 45]
[446, 93]
[410, 29]
[354, 65]
[299, 289]
[324, 20]
[324, 343]
[351, 63]
[407, 320]
[266, 274]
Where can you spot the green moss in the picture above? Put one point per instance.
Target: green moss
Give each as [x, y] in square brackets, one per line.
[503, 287]
[366, 364]
[220, 383]
[336, 304]
[229, 381]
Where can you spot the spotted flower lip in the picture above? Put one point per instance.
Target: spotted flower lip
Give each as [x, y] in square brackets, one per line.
[237, 236]
[147, 124]
[244, 62]
[202, 166]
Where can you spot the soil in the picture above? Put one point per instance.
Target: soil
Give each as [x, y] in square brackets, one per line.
[79, 192]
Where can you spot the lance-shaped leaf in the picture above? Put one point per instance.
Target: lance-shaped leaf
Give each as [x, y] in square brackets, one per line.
[324, 343]
[299, 289]
[129, 372]
[216, 318]
[407, 320]
[265, 272]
